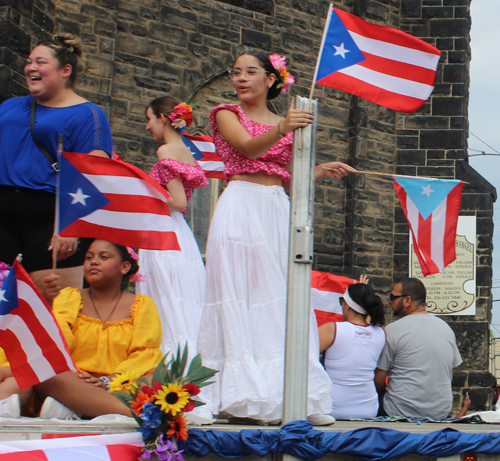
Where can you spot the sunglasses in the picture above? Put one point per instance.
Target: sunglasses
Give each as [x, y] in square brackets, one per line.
[341, 300]
[393, 297]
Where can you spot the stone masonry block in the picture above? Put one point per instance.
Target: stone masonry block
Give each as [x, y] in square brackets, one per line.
[447, 106]
[176, 17]
[259, 6]
[218, 32]
[441, 139]
[449, 27]
[256, 39]
[297, 42]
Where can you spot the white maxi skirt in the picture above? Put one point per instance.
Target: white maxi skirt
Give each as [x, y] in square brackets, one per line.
[242, 332]
[175, 280]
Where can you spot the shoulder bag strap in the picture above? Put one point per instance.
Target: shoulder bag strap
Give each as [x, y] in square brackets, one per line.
[50, 158]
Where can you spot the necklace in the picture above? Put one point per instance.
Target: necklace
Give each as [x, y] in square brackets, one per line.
[105, 323]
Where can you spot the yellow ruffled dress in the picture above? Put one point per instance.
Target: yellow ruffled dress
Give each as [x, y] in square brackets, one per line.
[127, 345]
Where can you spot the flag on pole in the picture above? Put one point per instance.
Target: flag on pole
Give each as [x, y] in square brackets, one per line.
[431, 207]
[203, 150]
[104, 198]
[29, 333]
[326, 289]
[109, 447]
[379, 63]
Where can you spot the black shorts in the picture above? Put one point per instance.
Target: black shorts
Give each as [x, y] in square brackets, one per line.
[26, 227]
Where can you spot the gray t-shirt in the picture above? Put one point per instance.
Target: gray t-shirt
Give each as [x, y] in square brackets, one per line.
[419, 356]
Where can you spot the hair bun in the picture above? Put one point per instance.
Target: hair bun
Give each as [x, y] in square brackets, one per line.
[72, 42]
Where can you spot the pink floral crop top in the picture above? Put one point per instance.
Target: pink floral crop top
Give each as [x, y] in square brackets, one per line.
[272, 162]
[192, 176]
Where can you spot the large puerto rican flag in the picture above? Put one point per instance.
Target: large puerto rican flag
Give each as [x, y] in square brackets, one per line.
[378, 63]
[203, 150]
[113, 200]
[326, 289]
[431, 207]
[112, 447]
[29, 334]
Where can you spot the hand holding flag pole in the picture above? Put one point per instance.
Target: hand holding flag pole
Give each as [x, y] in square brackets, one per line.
[376, 173]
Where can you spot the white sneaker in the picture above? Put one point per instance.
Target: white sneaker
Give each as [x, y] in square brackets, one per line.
[10, 407]
[199, 416]
[321, 420]
[51, 408]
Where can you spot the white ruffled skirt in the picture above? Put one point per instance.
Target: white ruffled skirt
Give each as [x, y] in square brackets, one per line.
[175, 280]
[242, 332]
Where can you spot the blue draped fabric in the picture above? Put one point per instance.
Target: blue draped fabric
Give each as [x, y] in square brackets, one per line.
[298, 438]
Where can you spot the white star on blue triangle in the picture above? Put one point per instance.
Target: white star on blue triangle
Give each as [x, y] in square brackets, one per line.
[333, 57]
[417, 189]
[78, 197]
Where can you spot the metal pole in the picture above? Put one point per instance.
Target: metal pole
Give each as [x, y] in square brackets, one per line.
[299, 270]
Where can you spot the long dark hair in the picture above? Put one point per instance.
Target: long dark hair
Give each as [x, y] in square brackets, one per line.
[265, 62]
[364, 295]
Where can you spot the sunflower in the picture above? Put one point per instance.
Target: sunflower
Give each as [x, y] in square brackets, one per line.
[124, 382]
[141, 399]
[172, 397]
[178, 427]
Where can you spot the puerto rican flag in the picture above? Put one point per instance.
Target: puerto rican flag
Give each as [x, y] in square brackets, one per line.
[112, 447]
[326, 289]
[378, 63]
[104, 198]
[29, 334]
[203, 150]
[431, 207]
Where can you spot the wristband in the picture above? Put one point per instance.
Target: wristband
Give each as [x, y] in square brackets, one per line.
[105, 380]
[278, 130]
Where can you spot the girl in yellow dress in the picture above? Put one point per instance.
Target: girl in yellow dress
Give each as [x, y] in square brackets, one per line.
[108, 331]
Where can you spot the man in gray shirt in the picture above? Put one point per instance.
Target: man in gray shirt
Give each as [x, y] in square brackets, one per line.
[419, 357]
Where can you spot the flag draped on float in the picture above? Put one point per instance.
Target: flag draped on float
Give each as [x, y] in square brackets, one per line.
[379, 63]
[29, 334]
[112, 447]
[104, 198]
[326, 289]
[431, 207]
[203, 150]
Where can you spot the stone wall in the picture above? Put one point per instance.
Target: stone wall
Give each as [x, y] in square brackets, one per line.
[138, 50]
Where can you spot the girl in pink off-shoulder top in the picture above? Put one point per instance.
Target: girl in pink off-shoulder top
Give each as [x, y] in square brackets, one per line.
[242, 332]
[175, 279]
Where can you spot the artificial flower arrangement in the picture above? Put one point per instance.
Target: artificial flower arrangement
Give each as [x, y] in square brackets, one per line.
[279, 63]
[4, 271]
[182, 116]
[159, 406]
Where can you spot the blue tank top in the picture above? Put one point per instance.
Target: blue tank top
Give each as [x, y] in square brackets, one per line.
[84, 127]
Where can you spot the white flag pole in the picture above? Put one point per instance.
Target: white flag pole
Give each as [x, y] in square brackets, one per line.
[327, 26]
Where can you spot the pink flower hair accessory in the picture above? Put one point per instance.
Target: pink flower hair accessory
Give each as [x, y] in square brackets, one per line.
[137, 277]
[279, 63]
[182, 116]
[132, 253]
[4, 271]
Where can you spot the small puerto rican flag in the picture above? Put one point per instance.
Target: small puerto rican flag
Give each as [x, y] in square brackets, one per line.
[326, 289]
[203, 150]
[104, 198]
[29, 333]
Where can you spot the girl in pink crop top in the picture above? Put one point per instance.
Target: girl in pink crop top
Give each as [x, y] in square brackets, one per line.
[243, 323]
[175, 279]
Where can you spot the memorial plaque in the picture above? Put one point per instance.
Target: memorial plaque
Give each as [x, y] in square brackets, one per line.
[453, 291]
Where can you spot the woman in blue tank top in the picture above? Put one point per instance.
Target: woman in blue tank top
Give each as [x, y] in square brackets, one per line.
[27, 176]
